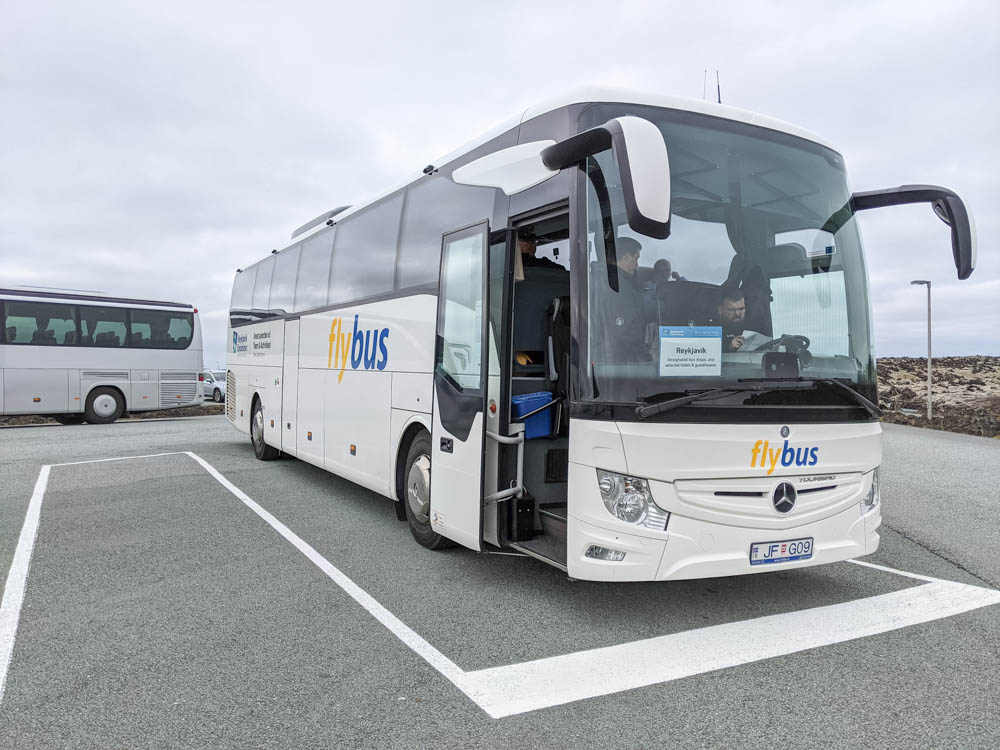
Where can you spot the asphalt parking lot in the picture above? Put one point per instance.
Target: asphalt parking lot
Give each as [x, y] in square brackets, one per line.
[211, 600]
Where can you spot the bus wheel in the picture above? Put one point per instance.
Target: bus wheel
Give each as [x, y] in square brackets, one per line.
[417, 499]
[68, 418]
[104, 406]
[262, 450]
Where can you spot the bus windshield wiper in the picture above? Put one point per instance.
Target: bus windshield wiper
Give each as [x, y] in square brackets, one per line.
[649, 410]
[860, 400]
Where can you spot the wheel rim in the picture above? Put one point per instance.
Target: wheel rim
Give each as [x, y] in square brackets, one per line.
[217, 396]
[258, 428]
[105, 405]
[418, 488]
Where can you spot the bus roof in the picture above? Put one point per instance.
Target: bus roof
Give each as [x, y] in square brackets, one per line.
[587, 95]
[81, 296]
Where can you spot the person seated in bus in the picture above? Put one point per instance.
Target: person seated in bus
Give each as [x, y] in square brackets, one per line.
[621, 314]
[11, 334]
[158, 333]
[527, 246]
[662, 273]
[731, 315]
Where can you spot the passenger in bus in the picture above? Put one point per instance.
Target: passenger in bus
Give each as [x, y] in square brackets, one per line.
[622, 313]
[158, 333]
[732, 312]
[527, 246]
[662, 272]
[11, 334]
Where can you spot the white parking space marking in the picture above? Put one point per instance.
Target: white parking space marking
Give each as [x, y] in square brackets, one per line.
[17, 577]
[529, 686]
[587, 674]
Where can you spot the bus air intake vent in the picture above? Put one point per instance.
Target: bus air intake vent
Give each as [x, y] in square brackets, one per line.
[230, 396]
[178, 394]
[102, 375]
[175, 376]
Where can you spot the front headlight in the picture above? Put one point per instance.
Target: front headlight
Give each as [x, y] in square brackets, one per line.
[872, 498]
[628, 499]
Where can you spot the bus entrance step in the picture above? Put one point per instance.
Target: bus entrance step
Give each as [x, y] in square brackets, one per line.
[550, 545]
[555, 510]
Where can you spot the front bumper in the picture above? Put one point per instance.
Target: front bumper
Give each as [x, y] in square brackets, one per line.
[698, 548]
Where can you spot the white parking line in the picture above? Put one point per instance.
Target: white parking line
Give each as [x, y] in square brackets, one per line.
[17, 577]
[529, 686]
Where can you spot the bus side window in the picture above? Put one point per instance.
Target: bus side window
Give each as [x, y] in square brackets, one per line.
[434, 206]
[40, 323]
[364, 252]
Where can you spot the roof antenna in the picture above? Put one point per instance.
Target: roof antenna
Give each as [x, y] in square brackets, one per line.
[718, 86]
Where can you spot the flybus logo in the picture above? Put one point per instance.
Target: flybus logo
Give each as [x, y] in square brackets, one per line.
[357, 349]
[763, 456]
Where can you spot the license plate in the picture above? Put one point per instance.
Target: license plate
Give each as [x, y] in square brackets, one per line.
[765, 553]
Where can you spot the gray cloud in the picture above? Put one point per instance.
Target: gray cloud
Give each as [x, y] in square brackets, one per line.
[153, 150]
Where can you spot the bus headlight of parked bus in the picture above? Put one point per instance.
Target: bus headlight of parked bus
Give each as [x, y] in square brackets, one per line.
[628, 499]
[872, 498]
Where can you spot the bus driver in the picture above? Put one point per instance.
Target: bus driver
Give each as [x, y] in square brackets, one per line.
[623, 321]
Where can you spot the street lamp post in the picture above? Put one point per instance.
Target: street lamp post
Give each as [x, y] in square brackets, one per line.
[929, 408]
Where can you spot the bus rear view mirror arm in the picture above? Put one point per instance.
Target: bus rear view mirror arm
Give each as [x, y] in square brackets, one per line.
[639, 150]
[948, 207]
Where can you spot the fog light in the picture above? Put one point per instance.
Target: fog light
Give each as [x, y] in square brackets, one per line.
[603, 553]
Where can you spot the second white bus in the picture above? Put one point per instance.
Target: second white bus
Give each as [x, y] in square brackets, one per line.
[85, 357]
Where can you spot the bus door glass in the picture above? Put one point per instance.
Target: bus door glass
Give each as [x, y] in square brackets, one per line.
[460, 380]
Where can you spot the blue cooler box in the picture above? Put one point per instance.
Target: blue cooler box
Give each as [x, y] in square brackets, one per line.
[539, 425]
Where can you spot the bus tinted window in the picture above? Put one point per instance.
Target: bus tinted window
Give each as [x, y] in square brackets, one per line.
[314, 271]
[102, 326]
[157, 329]
[262, 286]
[283, 281]
[39, 323]
[433, 207]
[364, 256]
[243, 289]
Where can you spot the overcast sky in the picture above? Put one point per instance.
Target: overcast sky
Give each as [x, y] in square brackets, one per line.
[151, 149]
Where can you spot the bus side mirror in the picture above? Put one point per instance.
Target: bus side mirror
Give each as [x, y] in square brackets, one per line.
[638, 148]
[948, 207]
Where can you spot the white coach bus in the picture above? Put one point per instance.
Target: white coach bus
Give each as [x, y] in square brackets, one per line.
[84, 357]
[628, 335]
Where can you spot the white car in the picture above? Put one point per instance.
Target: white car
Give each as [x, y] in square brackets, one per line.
[215, 390]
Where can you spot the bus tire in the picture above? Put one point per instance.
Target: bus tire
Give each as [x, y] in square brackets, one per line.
[69, 418]
[416, 495]
[262, 450]
[217, 396]
[104, 405]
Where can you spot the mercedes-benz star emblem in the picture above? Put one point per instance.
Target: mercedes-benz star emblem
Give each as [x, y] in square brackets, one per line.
[783, 497]
[784, 431]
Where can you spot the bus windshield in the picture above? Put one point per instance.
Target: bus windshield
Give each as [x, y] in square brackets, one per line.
[761, 278]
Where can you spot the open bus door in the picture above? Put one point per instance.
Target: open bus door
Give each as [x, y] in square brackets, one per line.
[460, 387]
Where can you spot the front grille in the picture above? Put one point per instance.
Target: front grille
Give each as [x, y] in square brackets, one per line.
[177, 394]
[230, 396]
[749, 499]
